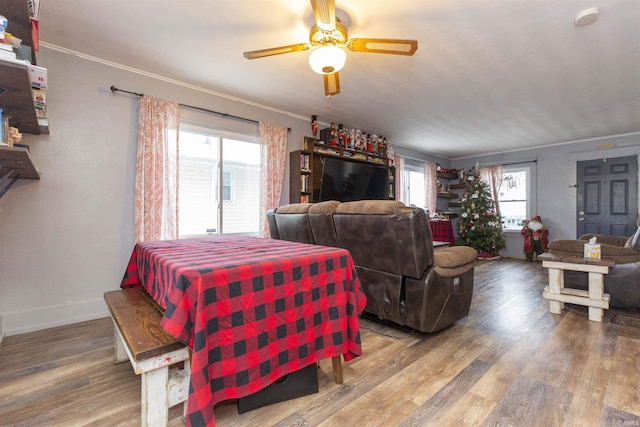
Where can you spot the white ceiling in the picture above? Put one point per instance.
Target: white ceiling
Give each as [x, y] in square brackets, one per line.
[488, 76]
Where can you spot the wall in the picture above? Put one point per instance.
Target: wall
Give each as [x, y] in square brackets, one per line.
[417, 158]
[66, 239]
[554, 197]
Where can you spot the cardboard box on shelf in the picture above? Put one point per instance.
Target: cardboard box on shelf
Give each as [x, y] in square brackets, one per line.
[37, 76]
[23, 52]
[7, 54]
[40, 102]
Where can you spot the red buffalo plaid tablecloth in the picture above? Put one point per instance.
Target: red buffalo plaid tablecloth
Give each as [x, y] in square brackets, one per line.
[442, 231]
[251, 309]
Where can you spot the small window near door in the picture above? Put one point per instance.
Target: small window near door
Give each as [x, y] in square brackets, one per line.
[226, 187]
[513, 197]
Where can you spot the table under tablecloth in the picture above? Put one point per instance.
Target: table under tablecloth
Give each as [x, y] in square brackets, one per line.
[442, 231]
[252, 310]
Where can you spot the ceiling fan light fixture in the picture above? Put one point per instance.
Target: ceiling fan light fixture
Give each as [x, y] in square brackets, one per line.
[327, 59]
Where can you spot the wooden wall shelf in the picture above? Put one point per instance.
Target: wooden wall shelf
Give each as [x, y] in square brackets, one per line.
[447, 175]
[15, 164]
[447, 196]
[349, 154]
[16, 98]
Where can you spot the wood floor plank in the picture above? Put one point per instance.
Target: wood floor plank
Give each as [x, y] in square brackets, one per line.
[469, 410]
[530, 403]
[561, 359]
[510, 362]
[614, 417]
[591, 387]
[623, 392]
[448, 395]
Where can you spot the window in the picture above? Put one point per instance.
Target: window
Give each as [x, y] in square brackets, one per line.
[226, 186]
[415, 192]
[209, 157]
[513, 197]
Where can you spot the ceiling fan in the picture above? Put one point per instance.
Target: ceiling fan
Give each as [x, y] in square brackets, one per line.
[328, 37]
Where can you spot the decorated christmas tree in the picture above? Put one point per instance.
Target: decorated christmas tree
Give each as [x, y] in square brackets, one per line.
[479, 225]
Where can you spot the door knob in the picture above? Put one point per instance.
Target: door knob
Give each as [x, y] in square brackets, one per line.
[581, 213]
[580, 219]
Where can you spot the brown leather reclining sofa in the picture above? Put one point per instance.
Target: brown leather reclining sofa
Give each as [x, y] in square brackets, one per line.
[404, 279]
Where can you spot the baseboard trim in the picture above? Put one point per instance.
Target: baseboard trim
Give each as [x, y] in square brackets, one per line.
[35, 319]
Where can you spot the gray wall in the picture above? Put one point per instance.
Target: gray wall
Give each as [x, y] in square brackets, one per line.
[66, 239]
[555, 173]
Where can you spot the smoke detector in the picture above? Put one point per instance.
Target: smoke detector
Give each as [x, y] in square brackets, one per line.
[587, 16]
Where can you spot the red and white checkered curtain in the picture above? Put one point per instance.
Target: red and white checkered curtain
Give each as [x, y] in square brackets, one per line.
[273, 157]
[156, 192]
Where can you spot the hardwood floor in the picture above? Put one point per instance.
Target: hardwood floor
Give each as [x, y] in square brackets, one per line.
[509, 363]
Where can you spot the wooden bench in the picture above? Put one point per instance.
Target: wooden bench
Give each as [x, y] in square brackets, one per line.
[152, 352]
[557, 294]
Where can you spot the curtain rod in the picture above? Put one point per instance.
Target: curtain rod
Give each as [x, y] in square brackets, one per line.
[507, 164]
[223, 115]
[519, 163]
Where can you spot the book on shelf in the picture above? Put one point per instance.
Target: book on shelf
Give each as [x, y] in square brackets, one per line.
[304, 162]
[304, 198]
[304, 183]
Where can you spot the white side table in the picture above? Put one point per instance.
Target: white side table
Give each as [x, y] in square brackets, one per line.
[557, 294]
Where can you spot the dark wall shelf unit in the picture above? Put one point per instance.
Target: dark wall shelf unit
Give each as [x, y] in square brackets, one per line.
[446, 179]
[15, 164]
[305, 168]
[16, 99]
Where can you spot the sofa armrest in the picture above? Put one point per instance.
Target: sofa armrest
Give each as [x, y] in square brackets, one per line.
[454, 261]
[604, 239]
[619, 254]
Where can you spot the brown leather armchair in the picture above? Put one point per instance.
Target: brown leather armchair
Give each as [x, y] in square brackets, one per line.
[404, 279]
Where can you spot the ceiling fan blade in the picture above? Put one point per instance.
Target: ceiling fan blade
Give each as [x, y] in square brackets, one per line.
[331, 84]
[254, 54]
[392, 46]
[325, 13]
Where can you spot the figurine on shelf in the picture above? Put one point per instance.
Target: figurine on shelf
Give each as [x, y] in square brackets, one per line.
[332, 134]
[348, 141]
[341, 135]
[314, 126]
[15, 137]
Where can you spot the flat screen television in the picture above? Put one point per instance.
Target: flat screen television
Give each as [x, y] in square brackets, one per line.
[346, 181]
